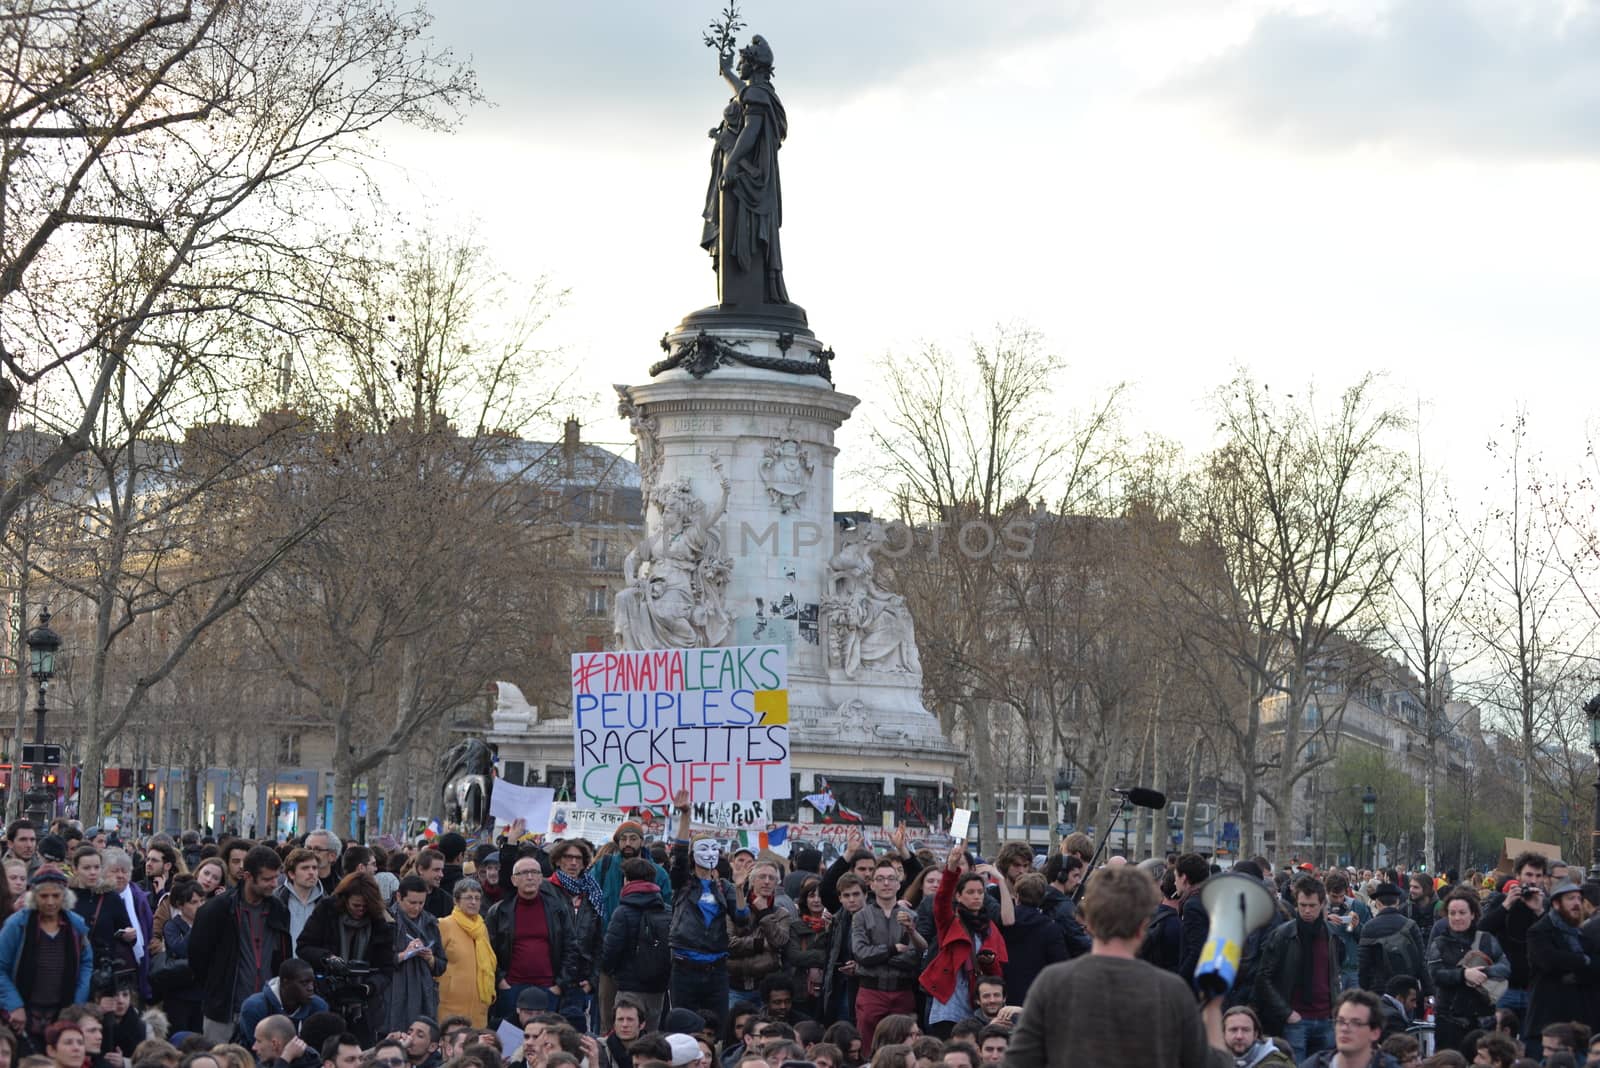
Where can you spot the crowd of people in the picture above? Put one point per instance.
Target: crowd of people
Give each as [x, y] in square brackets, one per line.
[1355, 969]
[525, 953]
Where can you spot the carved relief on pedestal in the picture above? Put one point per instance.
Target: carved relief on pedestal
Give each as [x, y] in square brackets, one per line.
[869, 627]
[677, 576]
[646, 432]
[786, 470]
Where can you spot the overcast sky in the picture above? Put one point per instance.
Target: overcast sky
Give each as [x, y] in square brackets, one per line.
[1165, 189]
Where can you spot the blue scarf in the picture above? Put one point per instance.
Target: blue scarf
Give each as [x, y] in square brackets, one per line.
[1572, 935]
[586, 885]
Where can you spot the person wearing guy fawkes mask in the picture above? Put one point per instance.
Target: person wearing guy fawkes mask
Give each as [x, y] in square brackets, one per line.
[703, 902]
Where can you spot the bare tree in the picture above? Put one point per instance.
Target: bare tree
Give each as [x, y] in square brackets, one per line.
[1522, 608]
[405, 605]
[1297, 507]
[161, 162]
[965, 452]
[1435, 568]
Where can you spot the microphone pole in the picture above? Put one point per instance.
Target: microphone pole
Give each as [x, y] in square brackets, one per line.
[1136, 795]
[1105, 836]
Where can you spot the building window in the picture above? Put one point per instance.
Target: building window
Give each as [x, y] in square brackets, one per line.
[289, 749]
[599, 598]
[599, 552]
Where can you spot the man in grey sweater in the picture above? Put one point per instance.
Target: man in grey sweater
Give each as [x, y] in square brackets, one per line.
[1109, 1007]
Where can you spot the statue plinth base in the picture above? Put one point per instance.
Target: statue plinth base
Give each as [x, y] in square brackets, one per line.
[777, 318]
[773, 433]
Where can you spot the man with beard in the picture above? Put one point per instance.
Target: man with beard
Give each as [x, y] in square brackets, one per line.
[628, 840]
[1241, 1030]
[1562, 966]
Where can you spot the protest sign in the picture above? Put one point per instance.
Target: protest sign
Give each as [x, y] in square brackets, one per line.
[647, 724]
[509, 802]
[591, 824]
[747, 816]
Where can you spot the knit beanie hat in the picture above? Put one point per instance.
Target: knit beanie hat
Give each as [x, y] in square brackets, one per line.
[627, 826]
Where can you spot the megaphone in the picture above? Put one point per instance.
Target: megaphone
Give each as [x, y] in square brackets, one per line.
[1237, 905]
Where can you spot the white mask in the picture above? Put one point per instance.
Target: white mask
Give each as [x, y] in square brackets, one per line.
[706, 853]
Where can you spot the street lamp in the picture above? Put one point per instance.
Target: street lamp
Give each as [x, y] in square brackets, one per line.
[1369, 806]
[42, 645]
[1592, 710]
[1063, 786]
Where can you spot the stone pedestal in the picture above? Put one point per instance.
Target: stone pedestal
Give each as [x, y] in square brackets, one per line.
[792, 577]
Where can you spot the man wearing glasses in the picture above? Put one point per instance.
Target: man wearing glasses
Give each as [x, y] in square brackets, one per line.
[533, 937]
[1357, 1027]
[389, 1054]
[607, 871]
[888, 952]
[326, 845]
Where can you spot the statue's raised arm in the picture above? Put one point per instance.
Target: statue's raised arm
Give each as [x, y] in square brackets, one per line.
[727, 484]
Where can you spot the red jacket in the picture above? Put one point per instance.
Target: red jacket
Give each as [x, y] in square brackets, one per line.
[955, 945]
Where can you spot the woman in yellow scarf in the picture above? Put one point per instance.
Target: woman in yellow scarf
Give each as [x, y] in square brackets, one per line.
[467, 986]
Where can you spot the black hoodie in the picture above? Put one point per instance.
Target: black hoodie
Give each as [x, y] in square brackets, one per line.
[618, 954]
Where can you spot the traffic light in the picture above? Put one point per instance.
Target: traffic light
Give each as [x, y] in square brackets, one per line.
[50, 780]
[147, 793]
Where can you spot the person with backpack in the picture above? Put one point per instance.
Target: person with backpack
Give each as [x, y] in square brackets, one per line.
[1391, 944]
[637, 951]
[627, 842]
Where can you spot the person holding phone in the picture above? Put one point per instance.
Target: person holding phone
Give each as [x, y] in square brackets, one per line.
[970, 944]
[888, 952]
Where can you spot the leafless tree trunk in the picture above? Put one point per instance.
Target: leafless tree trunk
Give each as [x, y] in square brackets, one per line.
[178, 181]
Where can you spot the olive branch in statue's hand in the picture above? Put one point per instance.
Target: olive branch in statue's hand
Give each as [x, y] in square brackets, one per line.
[723, 33]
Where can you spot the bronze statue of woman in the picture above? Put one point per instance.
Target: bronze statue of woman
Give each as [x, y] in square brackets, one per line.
[744, 200]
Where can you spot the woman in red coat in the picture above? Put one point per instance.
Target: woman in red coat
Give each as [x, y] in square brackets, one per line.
[968, 940]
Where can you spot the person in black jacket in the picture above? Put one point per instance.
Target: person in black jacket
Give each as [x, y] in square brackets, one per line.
[839, 973]
[1296, 996]
[1462, 1002]
[634, 967]
[703, 904]
[1163, 939]
[181, 1000]
[1509, 919]
[247, 913]
[1189, 875]
[352, 926]
[1563, 968]
[533, 938]
[582, 892]
[1063, 872]
[1374, 967]
[1033, 941]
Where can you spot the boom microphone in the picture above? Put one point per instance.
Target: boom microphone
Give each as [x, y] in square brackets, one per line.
[1138, 795]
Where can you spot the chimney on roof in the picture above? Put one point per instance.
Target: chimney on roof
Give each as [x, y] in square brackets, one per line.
[570, 442]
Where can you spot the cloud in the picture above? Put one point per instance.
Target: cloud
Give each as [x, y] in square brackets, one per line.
[1477, 77]
[641, 63]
